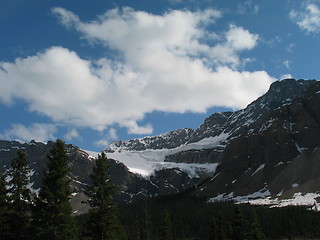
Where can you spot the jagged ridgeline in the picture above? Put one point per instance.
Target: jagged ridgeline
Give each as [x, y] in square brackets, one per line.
[267, 150]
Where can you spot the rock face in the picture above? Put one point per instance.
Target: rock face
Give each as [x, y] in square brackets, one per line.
[264, 157]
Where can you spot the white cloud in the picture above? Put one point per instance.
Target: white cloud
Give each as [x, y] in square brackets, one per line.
[164, 67]
[135, 129]
[286, 76]
[287, 63]
[72, 134]
[37, 131]
[308, 18]
[104, 143]
[290, 47]
[248, 7]
[112, 133]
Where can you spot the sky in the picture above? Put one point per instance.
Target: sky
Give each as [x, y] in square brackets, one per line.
[93, 72]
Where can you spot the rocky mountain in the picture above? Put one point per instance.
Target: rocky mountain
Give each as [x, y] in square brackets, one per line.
[266, 153]
[255, 149]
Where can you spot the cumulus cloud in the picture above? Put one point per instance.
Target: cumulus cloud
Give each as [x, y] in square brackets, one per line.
[167, 64]
[308, 17]
[37, 131]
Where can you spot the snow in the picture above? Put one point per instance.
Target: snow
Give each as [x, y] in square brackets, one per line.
[300, 149]
[148, 161]
[260, 195]
[258, 169]
[266, 125]
[280, 163]
[5, 150]
[92, 154]
[295, 185]
[298, 199]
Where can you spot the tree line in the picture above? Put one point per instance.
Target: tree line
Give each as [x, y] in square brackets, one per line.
[193, 218]
[48, 215]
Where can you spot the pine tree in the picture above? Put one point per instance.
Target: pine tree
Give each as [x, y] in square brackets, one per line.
[213, 231]
[239, 226]
[224, 229]
[19, 197]
[166, 228]
[255, 232]
[103, 223]
[4, 209]
[52, 214]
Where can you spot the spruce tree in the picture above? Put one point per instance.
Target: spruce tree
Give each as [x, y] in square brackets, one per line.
[255, 232]
[213, 231]
[166, 228]
[19, 197]
[52, 214]
[223, 228]
[4, 209]
[103, 223]
[239, 226]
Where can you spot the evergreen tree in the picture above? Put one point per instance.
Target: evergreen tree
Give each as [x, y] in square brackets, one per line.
[213, 231]
[52, 214]
[255, 232]
[166, 228]
[103, 223]
[224, 228]
[4, 208]
[19, 197]
[239, 226]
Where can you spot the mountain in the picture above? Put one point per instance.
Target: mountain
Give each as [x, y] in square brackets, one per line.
[251, 154]
[266, 153]
[129, 186]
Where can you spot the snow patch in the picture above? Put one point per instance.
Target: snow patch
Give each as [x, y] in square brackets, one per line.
[280, 163]
[295, 185]
[298, 199]
[258, 169]
[261, 194]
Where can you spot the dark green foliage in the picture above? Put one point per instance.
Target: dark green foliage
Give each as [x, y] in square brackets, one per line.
[103, 222]
[4, 209]
[224, 228]
[52, 214]
[239, 226]
[166, 227]
[19, 197]
[255, 232]
[191, 218]
[142, 224]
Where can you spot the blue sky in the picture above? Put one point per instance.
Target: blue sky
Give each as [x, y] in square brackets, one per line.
[91, 72]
